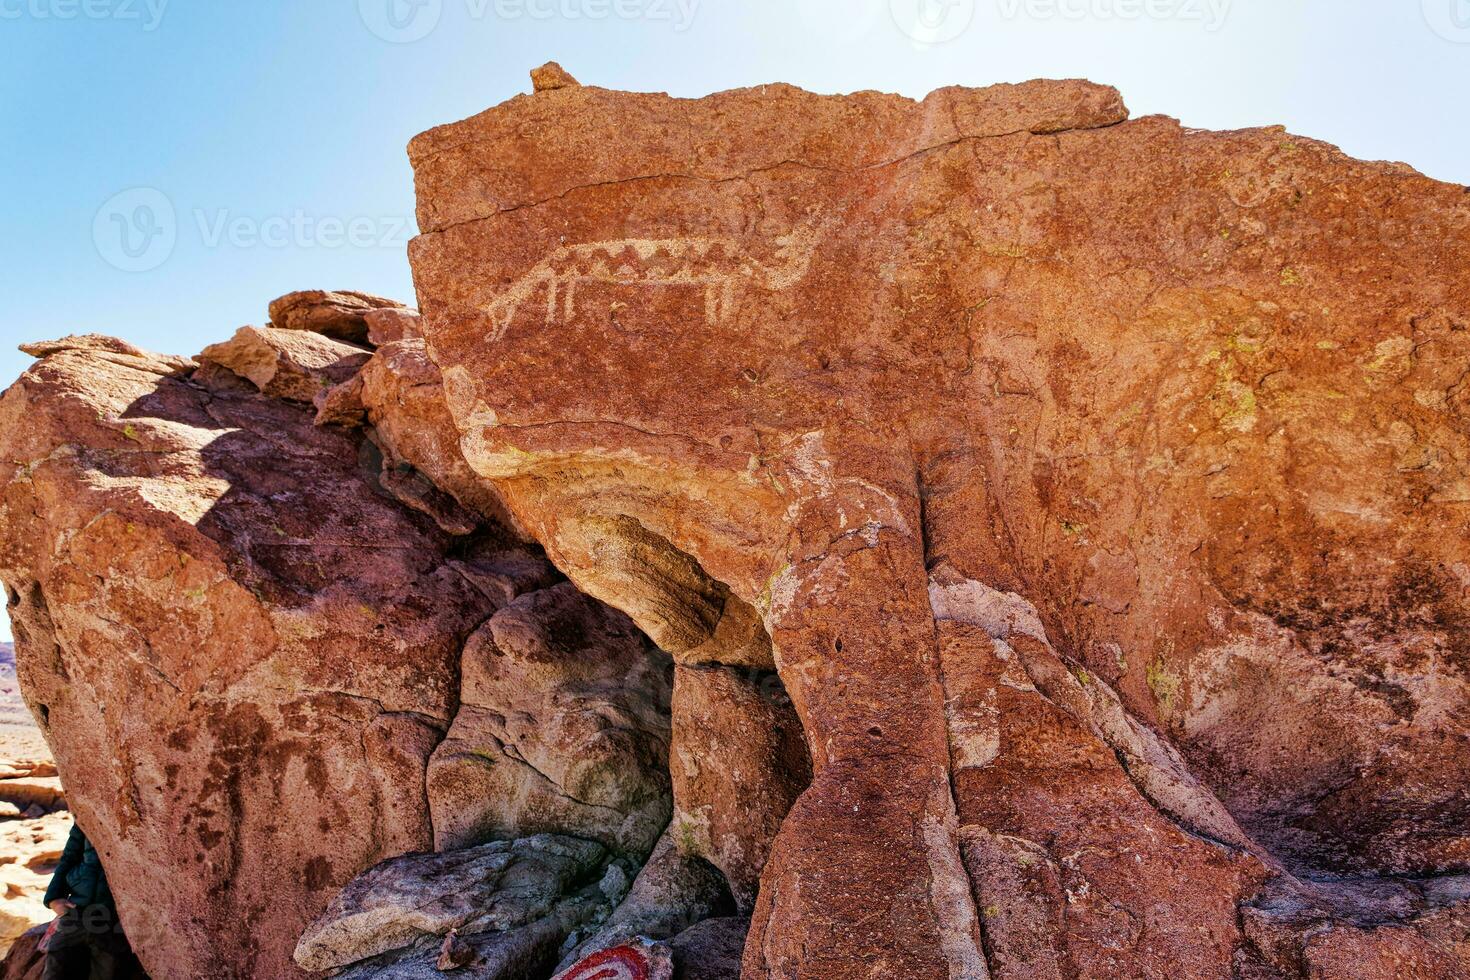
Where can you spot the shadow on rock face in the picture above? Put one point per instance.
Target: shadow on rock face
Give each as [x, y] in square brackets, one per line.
[566, 727]
[1115, 381]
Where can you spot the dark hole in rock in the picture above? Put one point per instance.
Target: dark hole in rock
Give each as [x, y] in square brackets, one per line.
[591, 789]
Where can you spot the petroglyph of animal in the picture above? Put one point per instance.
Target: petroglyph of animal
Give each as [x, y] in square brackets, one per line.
[722, 266]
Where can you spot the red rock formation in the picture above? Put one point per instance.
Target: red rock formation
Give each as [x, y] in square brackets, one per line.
[289, 364]
[562, 727]
[242, 632]
[242, 653]
[342, 314]
[738, 766]
[1190, 405]
[1056, 525]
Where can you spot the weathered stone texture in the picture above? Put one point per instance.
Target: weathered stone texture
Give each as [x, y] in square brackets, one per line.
[241, 650]
[973, 537]
[1197, 399]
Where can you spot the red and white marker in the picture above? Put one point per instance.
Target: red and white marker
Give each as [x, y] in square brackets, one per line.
[637, 959]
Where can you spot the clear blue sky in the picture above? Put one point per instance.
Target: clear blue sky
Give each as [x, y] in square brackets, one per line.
[275, 129]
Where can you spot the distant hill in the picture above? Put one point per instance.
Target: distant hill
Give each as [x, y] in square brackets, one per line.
[20, 738]
[12, 708]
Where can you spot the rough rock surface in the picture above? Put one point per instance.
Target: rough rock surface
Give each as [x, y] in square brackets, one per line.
[242, 651]
[738, 766]
[341, 314]
[551, 76]
[392, 324]
[1033, 544]
[1188, 408]
[563, 725]
[244, 634]
[672, 893]
[710, 950]
[500, 886]
[400, 396]
[24, 961]
[287, 363]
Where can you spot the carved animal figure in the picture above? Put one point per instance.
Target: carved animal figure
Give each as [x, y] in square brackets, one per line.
[722, 266]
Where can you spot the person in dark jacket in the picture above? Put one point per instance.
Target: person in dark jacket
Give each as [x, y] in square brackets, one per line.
[86, 928]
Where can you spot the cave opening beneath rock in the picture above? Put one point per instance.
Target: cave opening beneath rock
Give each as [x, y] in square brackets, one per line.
[621, 759]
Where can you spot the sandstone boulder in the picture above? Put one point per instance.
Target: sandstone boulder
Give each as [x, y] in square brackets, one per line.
[340, 314]
[562, 726]
[104, 345]
[672, 893]
[267, 668]
[738, 764]
[1194, 398]
[241, 651]
[400, 395]
[289, 364]
[387, 326]
[495, 887]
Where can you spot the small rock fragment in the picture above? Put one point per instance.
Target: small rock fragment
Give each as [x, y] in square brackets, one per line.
[551, 76]
[392, 324]
[454, 954]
